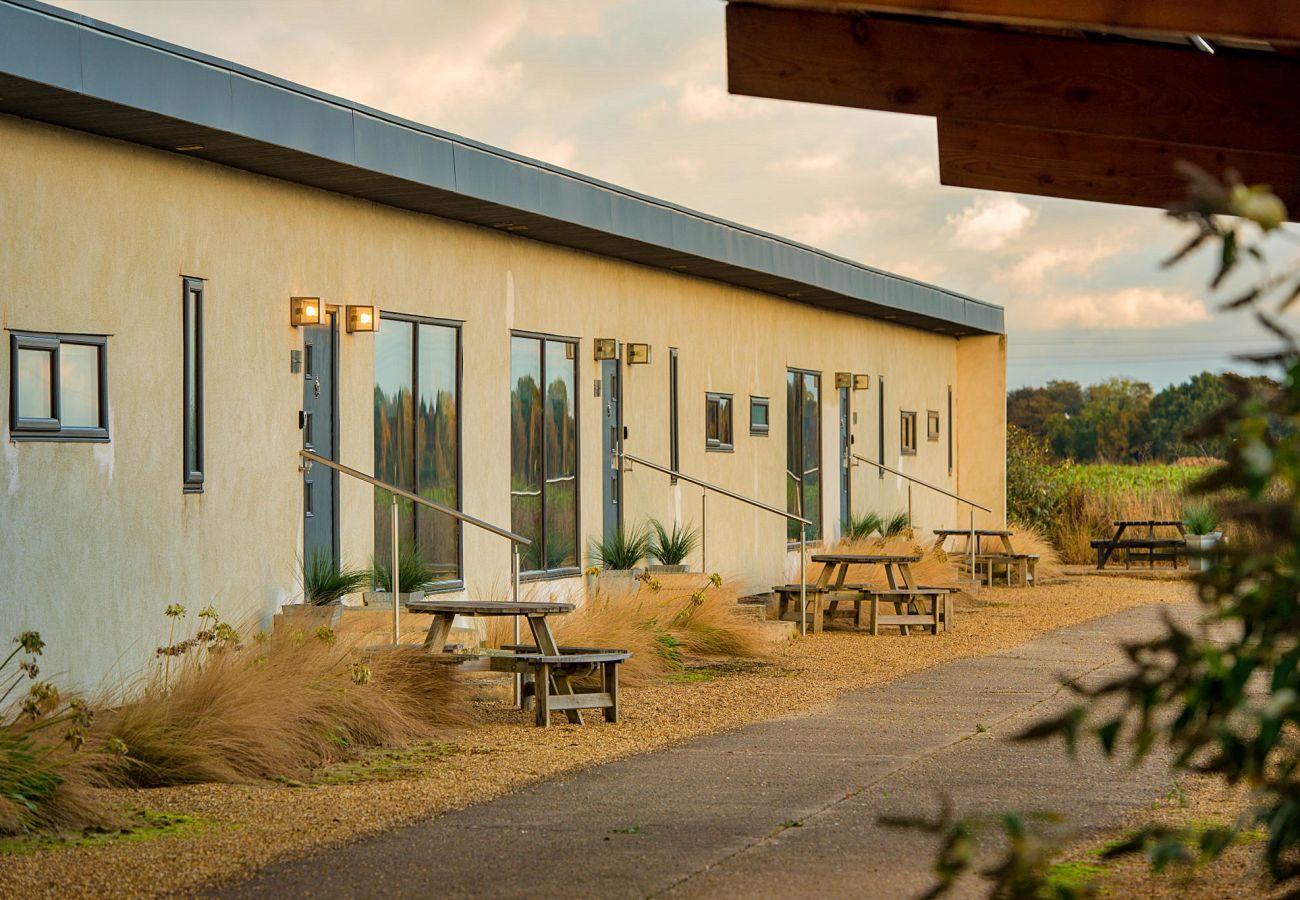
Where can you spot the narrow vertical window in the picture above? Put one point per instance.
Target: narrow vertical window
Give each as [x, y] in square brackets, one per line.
[759, 417]
[803, 451]
[907, 433]
[544, 451]
[674, 460]
[932, 425]
[717, 422]
[192, 390]
[417, 438]
[950, 429]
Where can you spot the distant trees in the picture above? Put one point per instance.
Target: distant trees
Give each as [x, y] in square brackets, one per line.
[1119, 419]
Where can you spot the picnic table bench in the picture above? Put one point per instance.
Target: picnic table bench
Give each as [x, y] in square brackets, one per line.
[909, 599]
[549, 666]
[1018, 567]
[1151, 548]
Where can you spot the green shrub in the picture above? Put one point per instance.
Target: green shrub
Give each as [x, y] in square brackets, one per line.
[413, 573]
[1201, 518]
[624, 549]
[672, 547]
[859, 528]
[324, 581]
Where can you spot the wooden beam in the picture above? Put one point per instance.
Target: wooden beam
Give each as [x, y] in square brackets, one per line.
[1259, 20]
[1087, 167]
[1118, 88]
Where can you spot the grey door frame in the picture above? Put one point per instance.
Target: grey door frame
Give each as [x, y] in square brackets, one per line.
[332, 345]
[612, 435]
[846, 455]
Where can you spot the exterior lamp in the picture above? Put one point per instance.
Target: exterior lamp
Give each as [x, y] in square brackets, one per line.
[844, 379]
[605, 348]
[638, 354]
[362, 318]
[861, 382]
[305, 311]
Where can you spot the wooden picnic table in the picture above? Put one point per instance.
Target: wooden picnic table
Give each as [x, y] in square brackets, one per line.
[1003, 535]
[445, 613]
[903, 592]
[988, 560]
[1107, 546]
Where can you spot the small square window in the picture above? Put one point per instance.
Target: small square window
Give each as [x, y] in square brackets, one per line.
[58, 385]
[759, 422]
[907, 433]
[717, 422]
[932, 425]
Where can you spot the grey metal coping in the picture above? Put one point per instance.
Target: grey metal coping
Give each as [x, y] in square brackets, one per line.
[71, 70]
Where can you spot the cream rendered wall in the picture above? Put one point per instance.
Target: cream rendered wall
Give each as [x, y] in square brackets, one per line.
[98, 539]
[981, 398]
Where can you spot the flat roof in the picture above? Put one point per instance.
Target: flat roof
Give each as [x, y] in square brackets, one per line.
[71, 70]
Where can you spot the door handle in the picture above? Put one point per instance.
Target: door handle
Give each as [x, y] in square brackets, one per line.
[316, 387]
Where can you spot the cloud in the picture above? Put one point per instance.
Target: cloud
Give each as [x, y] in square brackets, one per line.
[989, 222]
[803, 164]
[546, 147]
[832, 220]
[706, 102]
[1135, 307]
[911, 173]
[1081, 258]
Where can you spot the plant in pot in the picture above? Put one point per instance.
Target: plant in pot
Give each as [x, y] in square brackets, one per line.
[324, 585]
[619, 554]
[1203, 535]
[670, 548]
[414, 576]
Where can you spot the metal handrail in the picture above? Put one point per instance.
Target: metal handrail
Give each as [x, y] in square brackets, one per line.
[416, 498]
[516, 540]
[757, 504]
[934, 487]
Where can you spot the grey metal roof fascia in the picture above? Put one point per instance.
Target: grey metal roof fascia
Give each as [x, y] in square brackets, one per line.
[135, 70]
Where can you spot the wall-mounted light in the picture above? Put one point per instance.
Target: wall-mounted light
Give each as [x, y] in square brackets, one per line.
[605, 348]
[305, 311]
[861, 382]
[362, 318]
[843, 379]
[638, 354]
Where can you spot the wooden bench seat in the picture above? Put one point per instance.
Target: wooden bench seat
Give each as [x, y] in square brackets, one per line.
[1149, 549]
[1019, 567]
[539, 671]
[823, 604]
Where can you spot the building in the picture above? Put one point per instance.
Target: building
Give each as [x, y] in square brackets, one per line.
[160, 211]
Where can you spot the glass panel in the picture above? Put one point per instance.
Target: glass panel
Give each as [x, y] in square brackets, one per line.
[436, 452]
[724, 421]
[561, 429]
[793, 467]
[526, 447]
[758, 414]
[35, 383]
[191, 351]
[394, 431]
[811, 454]
[79, 385]
[710, 420]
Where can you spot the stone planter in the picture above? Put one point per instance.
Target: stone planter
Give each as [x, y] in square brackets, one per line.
[1200, 550]
[384, 600]
[664, 569]
[307, 617]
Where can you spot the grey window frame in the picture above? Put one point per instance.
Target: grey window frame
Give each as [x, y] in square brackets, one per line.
[674, 415]
[457, 583]
[764, 403]
[52, 429]
[717, 445]
[950, 429]
[192, 479]
[906, 422]
[933, 425]
[563, 571]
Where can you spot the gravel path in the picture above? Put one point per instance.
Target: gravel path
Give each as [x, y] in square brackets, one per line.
[250, 826]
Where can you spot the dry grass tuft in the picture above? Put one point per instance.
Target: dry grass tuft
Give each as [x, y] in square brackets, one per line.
[274, 707]
[659, 620]
[1027, 539]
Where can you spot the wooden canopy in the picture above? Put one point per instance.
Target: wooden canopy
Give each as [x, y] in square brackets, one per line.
[1082, 99]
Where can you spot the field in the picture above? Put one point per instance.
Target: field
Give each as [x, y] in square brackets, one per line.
[1129, 481]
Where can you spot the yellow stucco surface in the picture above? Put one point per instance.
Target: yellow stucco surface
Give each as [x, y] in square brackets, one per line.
[96, 539]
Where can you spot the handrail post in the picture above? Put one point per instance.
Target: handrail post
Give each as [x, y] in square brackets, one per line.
[803, 580]
[909, 504]
[394, 585]
[518, 686]
[704, 530]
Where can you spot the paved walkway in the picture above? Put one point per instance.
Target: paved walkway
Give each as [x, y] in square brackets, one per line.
[712, 817]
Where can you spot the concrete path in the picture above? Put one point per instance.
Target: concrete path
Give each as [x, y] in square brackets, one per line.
[712, 818]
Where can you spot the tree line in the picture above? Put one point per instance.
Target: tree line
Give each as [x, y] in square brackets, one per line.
[1121, 420]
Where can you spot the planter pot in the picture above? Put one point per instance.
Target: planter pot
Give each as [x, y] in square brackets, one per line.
[307, 618]
[384, 600]
[664, 569]
[1200, 550]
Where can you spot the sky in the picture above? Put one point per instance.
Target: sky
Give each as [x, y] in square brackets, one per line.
[634, 92]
